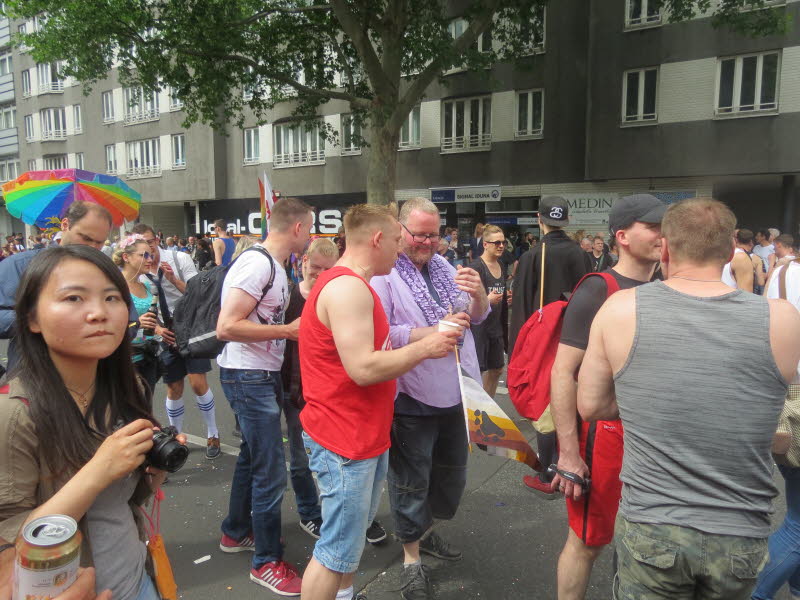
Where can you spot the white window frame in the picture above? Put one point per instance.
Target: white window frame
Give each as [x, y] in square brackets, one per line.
[640, 116]
[251, 146]
[107, 101]
[298, 145]
[25, 77]
[54, 123]
[139, 105]
[77, 119]
[111, 159]
[468, 142]
[736, 109]
[178, 151]
[411, 136]
[80, 163]
[645, 19]
[55, 162]
[6, 64]
[175, 103]
[8, 117]
[31, 164]
[529, 132]
[9, 169]
[47, 78]
[30, 132]
[540, 47]
[349, 130]
[144, 158]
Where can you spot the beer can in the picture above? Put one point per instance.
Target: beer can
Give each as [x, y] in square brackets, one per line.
[48, 556]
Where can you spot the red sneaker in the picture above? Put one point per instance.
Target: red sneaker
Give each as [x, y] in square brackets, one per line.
[279, 577]
[230, 545]
[537, 486]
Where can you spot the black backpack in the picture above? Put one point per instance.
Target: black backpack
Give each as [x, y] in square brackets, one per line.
[194, 320]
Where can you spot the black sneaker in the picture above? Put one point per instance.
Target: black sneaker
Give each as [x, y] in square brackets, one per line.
[416, 585]
[436, 546]
[376, 533]
[212, 448]
[312, 527]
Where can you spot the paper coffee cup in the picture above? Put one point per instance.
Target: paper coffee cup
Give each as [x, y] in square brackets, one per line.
[448, 326]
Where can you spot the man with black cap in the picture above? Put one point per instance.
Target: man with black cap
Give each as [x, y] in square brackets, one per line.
[594, 450]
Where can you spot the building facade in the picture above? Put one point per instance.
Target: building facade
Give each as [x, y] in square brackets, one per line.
[616, 100]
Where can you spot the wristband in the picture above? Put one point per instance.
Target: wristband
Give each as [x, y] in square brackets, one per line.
[4, 547]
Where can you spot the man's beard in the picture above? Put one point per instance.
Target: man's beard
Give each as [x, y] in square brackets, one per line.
[419, 256]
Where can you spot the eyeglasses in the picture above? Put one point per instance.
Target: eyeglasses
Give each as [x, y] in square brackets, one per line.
[421, 238]
[497, 244]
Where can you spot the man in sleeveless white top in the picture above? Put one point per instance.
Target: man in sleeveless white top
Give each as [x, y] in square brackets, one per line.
[742, 272]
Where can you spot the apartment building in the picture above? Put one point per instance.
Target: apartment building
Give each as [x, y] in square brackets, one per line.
[9, 144]
[616, 100]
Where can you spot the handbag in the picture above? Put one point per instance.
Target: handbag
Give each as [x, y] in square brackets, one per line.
[788, 432]
[164, 578]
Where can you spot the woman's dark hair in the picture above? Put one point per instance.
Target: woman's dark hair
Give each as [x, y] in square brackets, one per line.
[203, 243]
[68, 439]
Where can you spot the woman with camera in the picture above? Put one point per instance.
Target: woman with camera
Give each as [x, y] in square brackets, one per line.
[76, 427]
[133, 257]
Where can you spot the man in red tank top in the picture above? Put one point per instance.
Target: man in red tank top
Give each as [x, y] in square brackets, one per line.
[348, 372]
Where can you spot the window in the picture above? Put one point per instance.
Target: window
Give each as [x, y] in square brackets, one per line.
[748, 84]
[47, 76]
[410, 132]
[642, 13]
[26, 83]
[32, 164]
[108, 107]
[5, 64]
[111, 159]
[298, 144]
[77, 121]
[530, 114]
[8, 117]
[144, 158]
[54, 124]
[251, 149]
[538, 31]
[79, 164]
[350, 131]
[178, 151]
[29, 133]
[249, 88]
[467, 124]
[9, 169]
[55, 161]
[639, 90]
[175, 103]
[140, 105]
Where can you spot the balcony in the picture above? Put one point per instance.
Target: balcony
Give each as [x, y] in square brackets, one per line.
[463, 143]
[51, 87]
[148, 171]
[251, 160]
[297, 159]
[49, 135]
[133, 118]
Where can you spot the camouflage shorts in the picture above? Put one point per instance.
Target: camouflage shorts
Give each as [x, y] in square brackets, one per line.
[669, 562]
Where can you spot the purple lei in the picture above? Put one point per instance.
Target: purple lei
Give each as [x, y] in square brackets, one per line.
[443, 283]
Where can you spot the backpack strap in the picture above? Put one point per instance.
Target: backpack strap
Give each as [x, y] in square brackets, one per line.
[612, 286]
[264, 252]
[178, 265]
[782, 282]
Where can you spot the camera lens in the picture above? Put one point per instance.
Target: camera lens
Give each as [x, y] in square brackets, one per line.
[167, 453]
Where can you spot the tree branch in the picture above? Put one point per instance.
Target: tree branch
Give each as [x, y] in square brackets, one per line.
[265, 13]
[330, 94]
[478, 25]
[348, 70]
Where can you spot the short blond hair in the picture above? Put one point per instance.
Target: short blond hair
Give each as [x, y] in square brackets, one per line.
[490, 229]
[323, 247]
[361, 220]
[418, 203]
[699, 231]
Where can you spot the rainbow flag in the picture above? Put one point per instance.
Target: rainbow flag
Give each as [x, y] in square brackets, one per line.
[490, 427]
[266, 202]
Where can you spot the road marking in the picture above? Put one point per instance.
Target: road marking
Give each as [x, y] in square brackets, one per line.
[502, 390]
[198, 441]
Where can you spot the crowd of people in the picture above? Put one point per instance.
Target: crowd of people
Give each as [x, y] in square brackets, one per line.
[343, 340]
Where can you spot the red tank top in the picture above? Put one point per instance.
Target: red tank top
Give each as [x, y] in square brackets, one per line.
[340, 415]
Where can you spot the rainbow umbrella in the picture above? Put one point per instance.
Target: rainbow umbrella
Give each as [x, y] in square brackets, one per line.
[36, 197]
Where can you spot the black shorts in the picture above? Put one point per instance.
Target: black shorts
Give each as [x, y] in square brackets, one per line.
[491, 352]
[175, 367]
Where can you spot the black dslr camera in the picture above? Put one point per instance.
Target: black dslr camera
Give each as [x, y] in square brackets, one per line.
[167, 453]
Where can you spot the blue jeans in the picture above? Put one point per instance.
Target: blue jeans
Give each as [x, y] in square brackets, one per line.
[784, 545]
[259, 479]
[351, 491]
[305, 490]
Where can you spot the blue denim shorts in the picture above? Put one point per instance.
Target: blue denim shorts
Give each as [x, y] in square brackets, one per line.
[350, 491]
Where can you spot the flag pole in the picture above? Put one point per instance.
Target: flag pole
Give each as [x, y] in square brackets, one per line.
[461, 390]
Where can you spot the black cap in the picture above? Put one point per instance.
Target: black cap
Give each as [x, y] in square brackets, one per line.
[639, 208]
[554, 211]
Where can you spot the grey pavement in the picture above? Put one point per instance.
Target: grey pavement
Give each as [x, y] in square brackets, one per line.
[510, 537]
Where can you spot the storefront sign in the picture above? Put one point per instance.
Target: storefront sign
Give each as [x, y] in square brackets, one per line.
[589, 209]
[485, 193]
[244, 217]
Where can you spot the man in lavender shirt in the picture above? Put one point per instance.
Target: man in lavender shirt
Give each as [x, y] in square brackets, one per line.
[428, 457]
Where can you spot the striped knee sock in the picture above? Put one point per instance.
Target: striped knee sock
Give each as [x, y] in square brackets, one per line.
[175, 411]
[206, 405]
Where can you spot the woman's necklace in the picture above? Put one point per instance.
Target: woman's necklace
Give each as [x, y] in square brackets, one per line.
[698, 280]
[81, 397]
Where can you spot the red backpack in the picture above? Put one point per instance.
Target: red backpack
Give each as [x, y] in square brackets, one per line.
[534, 353]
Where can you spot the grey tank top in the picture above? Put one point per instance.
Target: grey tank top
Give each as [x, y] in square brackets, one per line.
[699, 397]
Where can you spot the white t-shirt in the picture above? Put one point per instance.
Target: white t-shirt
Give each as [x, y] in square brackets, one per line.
[251, 273]
[186, 271]
[763, 253]
[792, 292]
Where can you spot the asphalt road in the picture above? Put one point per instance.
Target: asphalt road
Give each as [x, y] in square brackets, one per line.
[510, 537]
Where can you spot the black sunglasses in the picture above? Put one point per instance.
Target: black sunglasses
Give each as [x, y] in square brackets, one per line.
[497, 244]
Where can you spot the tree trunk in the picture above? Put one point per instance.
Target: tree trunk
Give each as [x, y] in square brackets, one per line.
[382, 167]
